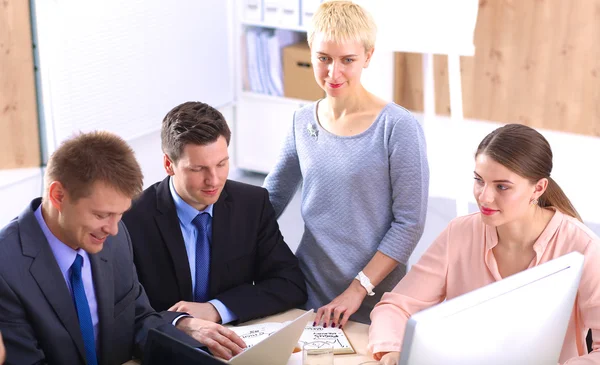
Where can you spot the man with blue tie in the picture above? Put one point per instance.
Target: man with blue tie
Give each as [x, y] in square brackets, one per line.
[204, 244]
[69, 292]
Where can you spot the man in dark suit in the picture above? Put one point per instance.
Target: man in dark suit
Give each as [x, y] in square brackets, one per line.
[204, 244]
[69, 292]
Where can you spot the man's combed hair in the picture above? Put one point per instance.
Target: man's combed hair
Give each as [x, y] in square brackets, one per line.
[95, 157]
[192, 122]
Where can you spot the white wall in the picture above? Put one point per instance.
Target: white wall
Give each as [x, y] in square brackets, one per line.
[451, 147]
[19, 186]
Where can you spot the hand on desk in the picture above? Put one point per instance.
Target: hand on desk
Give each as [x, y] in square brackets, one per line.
[341, 308]
[2, 351]
[390, 358]
[221, 341]
[204, 311]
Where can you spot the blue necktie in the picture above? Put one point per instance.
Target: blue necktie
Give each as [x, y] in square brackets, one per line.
[202, 224]
[83, 312]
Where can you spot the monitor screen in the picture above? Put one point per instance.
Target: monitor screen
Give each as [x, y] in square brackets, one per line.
[521, 320]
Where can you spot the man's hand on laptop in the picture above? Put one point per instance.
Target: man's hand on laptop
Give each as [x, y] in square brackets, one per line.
[221, 341]
[204, 311]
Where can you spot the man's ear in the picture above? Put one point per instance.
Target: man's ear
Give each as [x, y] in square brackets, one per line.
[57, 195]
[168, 165]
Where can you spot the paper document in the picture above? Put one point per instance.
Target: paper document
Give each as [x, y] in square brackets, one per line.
[255, 333]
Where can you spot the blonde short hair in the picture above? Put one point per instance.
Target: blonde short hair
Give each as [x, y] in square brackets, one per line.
[343, 21]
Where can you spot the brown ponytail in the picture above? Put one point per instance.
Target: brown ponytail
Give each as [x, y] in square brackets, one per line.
[525, 151]
[555, 197]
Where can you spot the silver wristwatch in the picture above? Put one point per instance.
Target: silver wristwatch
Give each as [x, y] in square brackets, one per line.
[366, 283]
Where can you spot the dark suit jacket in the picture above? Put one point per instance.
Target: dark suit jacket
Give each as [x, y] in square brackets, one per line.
[252, 270]
[38, 319]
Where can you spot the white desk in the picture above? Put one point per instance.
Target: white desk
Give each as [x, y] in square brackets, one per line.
[357, 333]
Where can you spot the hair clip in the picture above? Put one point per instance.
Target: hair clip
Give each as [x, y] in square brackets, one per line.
[312, 131]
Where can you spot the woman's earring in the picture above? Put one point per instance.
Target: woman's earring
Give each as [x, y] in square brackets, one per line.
[533, 202]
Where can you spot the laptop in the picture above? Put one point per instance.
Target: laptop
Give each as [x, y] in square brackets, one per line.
[163, 349]
[274, 350]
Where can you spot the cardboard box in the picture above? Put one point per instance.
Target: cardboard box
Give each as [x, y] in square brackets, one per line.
[298, 77]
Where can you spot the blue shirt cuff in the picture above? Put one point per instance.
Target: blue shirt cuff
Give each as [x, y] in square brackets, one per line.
[226, 315]
[174, 323]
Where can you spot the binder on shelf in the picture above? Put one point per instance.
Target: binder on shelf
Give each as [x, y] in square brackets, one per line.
[275, 69]
[252, 59]
[253, 10]
[290, 12]
[272, 12]
[307, 10]
[263, 63]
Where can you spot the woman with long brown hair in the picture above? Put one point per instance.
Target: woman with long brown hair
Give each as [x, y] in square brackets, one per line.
[525, 219]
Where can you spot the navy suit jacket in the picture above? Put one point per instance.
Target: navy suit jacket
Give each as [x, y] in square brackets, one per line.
[38, 319]
[252, 270]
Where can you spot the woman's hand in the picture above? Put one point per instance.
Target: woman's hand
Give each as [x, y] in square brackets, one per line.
[2, 351]
[341, 308]
[390, 358]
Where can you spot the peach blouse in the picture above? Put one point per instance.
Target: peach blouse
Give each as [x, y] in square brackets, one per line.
[461, 260]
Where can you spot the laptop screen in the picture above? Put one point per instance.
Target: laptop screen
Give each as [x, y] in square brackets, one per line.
[163, 349]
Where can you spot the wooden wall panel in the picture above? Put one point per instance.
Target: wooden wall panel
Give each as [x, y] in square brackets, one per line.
[537, 62]
[19, 133]
[408, 80]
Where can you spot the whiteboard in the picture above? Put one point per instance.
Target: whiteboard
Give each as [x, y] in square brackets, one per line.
[424, 26]
[122, 65]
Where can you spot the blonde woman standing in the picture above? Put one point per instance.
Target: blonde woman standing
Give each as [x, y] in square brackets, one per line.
[362, 165]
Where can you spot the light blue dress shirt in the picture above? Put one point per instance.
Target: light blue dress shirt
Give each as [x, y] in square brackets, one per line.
[186, 213]
[65, 256]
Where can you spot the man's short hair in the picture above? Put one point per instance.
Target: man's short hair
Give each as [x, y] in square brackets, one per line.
[93, 157]
[192, 122]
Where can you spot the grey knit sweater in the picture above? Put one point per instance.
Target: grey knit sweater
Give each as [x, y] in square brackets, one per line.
[360, 194]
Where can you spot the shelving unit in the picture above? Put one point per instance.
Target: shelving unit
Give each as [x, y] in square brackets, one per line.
[262, 121]
[252, 23]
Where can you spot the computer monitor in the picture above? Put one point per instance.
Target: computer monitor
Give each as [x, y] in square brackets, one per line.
[521, 320]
